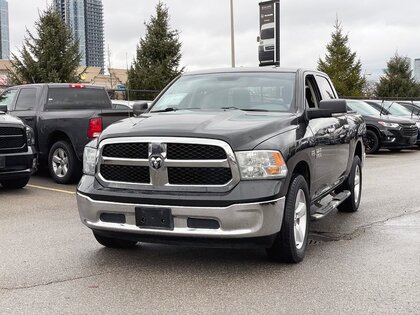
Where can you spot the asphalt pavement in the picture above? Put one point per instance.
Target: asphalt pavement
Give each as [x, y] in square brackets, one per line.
[366, 262]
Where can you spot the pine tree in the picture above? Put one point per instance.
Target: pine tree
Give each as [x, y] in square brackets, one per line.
[158, 55]
[50, 56]
[342, 65]
[398, 80]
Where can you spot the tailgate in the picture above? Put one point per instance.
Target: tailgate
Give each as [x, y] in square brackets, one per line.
[111, 116]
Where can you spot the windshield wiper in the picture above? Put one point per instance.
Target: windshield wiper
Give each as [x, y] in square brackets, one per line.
[245, 109]
[167, 109]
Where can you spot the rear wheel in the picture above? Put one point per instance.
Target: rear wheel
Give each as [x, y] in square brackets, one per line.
[372, 143]
[113, 242]
[15, 183]
[354, 185]
[290, 244]
[63, 164]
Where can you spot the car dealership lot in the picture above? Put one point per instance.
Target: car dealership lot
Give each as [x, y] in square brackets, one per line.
[362, 262]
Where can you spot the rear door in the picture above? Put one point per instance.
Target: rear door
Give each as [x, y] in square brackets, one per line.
[340, 136]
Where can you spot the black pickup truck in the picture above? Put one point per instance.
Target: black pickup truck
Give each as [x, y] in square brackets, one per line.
[226, 158]
[17, 152]
[64, 117]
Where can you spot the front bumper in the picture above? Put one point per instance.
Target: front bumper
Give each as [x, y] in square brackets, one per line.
[237, 221]
[18, 165]
[395, 139]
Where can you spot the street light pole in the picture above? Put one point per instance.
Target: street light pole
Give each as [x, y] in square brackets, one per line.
[232, 34]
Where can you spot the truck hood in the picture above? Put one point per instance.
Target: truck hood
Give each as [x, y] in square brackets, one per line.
[7, 120]
[242, 130]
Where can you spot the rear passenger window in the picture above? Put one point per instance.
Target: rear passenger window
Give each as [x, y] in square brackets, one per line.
[327, 93]
[26, 99]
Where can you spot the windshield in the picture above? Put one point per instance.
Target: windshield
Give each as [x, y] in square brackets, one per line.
[363, 108]
[398, 110]
[221, 91]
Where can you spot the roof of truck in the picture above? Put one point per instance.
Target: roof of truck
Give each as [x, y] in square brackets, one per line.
[249, 69]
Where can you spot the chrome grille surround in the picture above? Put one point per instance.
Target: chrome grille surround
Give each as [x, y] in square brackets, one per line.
[159, 180]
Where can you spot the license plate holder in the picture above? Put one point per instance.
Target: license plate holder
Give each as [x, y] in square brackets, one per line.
[2, 162]
[154, 218]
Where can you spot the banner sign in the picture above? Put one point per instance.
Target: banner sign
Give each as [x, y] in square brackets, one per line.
[269, 39]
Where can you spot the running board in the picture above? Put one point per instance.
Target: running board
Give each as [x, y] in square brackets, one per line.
[337, 200]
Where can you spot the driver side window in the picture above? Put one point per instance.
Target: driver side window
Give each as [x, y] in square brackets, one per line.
[311, 97]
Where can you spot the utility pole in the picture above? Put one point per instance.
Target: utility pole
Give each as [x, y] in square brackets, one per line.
[232, 34]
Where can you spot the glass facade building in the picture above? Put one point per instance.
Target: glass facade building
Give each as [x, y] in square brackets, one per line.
[4, 30]
[417, 69]
[85, 19]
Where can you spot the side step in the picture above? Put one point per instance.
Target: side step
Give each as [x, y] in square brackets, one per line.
[323, 211]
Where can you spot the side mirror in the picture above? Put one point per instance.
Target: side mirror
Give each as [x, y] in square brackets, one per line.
[139, 108]
[327, 108]
[3, 108]
[258, 39]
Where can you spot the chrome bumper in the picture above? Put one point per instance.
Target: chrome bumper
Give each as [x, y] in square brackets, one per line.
[236, 221]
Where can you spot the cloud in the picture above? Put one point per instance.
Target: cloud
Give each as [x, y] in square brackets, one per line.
[376, 28]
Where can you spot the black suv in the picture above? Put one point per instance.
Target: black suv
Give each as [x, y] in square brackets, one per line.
[384, 131]
[17, 152]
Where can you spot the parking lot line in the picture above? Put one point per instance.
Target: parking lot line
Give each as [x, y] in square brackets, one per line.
[52, 189]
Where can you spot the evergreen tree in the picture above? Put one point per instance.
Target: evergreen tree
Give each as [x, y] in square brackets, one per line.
[50, 56]
[158, 55]
[342, 65]
[398, 80]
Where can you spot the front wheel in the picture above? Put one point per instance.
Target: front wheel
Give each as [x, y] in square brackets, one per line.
[290, 244]
[15, 183]
[372, 143]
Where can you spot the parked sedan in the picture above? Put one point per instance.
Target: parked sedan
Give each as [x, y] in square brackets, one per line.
[384, 131]
[396, 109]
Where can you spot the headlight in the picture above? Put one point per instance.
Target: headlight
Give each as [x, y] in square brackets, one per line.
[30, 136]
[89, 160]
[261, 164]
[389, 125]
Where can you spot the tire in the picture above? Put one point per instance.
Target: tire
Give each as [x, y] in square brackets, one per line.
[15, 183]
[63, 164]
[354, 185]
[372, 143]
[114, 242]
[286, 248]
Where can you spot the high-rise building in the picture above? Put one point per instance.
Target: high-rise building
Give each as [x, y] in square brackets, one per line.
[4, 30]
[417, 69]
[85, 19]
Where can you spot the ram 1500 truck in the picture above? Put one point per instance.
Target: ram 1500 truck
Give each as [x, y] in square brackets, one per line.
[17, 152]
[226, 158]
[65, 117]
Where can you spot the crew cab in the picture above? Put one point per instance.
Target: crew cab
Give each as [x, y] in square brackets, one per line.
[237, 157]
[65, 117]
[17, 151]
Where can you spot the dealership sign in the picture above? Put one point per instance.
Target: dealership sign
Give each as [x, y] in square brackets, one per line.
[269, 39]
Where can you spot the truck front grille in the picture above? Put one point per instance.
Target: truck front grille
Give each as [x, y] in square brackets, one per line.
[184, 151]
[126, 150]
[12, 140]
[121, 173]
[167, 164]
[199, 176]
